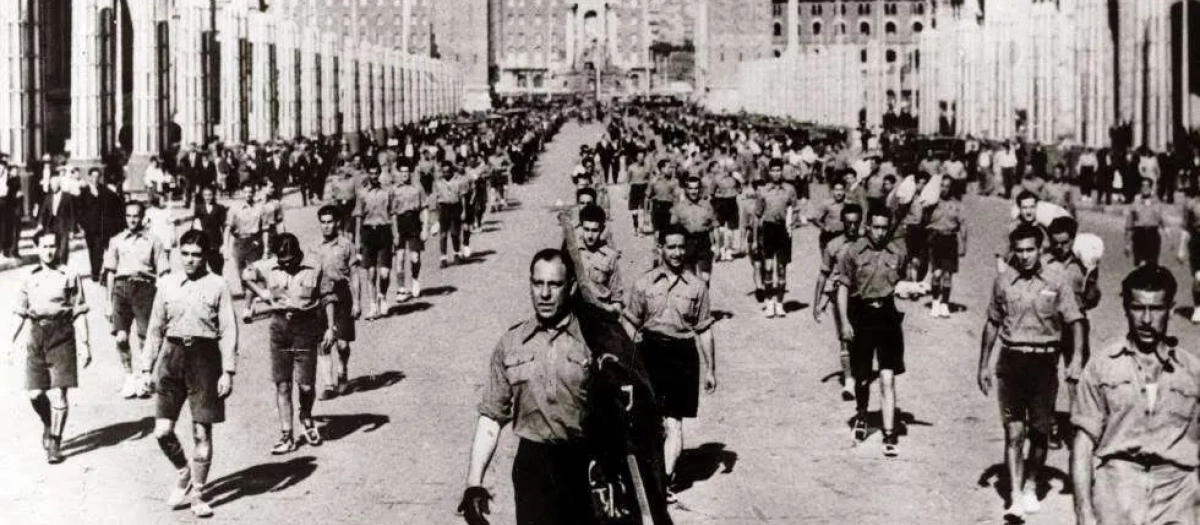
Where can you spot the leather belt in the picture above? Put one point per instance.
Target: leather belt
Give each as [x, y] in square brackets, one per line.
[293, 313]
[1046, 348]
[190, 341]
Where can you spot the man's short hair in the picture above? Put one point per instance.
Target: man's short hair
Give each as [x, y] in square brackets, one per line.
[1026, 194]
[585, 191]
[37, 236]
[836, 181]
[852, 209]
[1149, 278]
[327, 210]
[880, 211]
[672, 229]
[922, 175]
[691, 180]
[1026, 231]
[1063, 225]
[287, 246]
[197, 238]
[775, 163]
[553, 254]
[593, 213]
[889, 178]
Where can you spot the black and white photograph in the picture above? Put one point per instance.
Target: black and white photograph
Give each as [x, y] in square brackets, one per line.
[600, 262]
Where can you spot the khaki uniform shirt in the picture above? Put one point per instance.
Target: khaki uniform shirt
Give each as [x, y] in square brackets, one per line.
[50, 292]
[602, 267]
[870, 273]
[946, 217]
[135, 254]
[695, 217]
[1113, 408]
[307, 289]
[408, 198]
[186, 307]
[829, 216]
[374, 205]
[1032, 310]
[338, 258]
[663, 189]
[668, 305]
[538, 379]
[776, 201]
[245, 220]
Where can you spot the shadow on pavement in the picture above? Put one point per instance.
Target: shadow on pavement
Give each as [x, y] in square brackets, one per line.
[438, 290]
[335, 427]
[368, 383]
[108, 436]
[702, 463]
[722, 314]
[996, 476]
[410, 307]
[794, 306]
[903, 421]
[260, 479]
[475, 258]
[832, 376]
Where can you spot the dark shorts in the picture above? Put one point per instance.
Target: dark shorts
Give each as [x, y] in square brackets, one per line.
[1194, 251]
[51, 362]
[801, 185]
[550, 484]
[775, 242]
[1027, 387]
[698, 251]
[132, 300]
[660, 215]
[190, 374]
[409, 228]
[246, 250]
[916, 239]
[376, 246]
[877, 337]
[345, 213]
[294, 345]
[943, 251]
[726, 210]
[637, 196]
[1147, 243]
[343, 321]
[674, 369]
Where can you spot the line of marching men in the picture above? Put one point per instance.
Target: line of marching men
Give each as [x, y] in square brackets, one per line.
[383, 204]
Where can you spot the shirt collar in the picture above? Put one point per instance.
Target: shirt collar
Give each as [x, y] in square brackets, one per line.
[1128, 347]
[663, 273]
[568, 324]
[1036, 274]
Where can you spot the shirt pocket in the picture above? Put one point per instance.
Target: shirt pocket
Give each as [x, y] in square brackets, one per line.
[1181, 401]
[519, 368]
[685, 305]
[1045, 304]
[576, 366]
[1122, 396]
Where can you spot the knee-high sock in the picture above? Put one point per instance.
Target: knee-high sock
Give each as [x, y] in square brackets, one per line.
[416, 270]
[862, 395]
[126, 355]
[384, 279]
[41, 405]
[307, 398]
[173, 450]
[200, 468]
[58, 421]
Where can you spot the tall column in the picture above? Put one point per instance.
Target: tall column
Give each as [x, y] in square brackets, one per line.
[791, 22]
[85, 84]
[145, 78]
[570, 16]
[10, 84]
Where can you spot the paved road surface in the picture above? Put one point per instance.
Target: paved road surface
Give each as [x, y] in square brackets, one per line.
[771, 446]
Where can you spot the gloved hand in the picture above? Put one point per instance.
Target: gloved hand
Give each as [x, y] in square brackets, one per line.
[474, 505]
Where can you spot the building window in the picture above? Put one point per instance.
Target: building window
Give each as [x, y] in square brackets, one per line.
[841, 28]
[816, 28]
[864, 28]
[843, 9]
[537, 80]
[777, 9]
[777, 29]
[890, 56]
[862, 56]
[916, 58]
[864, 9]
[918, 27]
[919, 8]
[889, 28]
[816, 10]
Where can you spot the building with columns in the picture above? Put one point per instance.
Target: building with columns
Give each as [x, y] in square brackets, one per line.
[1072, 70]
[548, 47]
[95, 77]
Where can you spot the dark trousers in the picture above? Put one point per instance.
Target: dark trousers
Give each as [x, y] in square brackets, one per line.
[97, 244]
[551, 485]
[10, 225]
[450, 222]
[216, 261]
[62, 246]
[1167, 185]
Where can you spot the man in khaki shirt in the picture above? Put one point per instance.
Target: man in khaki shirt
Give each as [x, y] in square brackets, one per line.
[1137, 448]
[191, 345]
[1031, 307]
[133, 262]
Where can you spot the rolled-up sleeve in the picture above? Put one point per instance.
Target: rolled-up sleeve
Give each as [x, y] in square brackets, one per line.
[704, 317]
[843, 270]
[995, 311]
[1068, 307]
[497, 400]
[635, 308]
[1090, 407]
